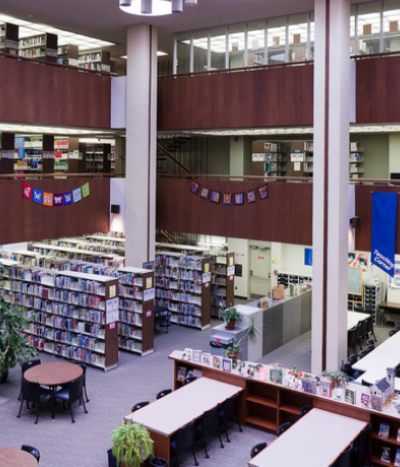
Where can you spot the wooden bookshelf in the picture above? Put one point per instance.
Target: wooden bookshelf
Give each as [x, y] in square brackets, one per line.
[222, 281]
[68, 55]
[377, 443]
[356, 161]
[9, 38]
[39, 47]
[302, 159]
[269, 158]
[97, 157]
[98, 61]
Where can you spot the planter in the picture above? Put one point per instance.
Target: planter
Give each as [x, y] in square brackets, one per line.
[4, 376]
[231, 325]
[233, 357]
[112, 461]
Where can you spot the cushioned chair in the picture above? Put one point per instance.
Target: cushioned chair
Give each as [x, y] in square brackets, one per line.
[361, 446]
[35, 453]
[370, 328]
[72, 392]
[305, 409]
[362, 333]
[257, 449]
[352, 339]
[139, 405]
[25, 366]
[163, 393]
[32, 392]
[345, 457]
[282, 428]
[189, 379]
[228, 410]
[208, 425]
[346, 368]
[183, 440]
[363, 353]
[84, 366]
[353, 359]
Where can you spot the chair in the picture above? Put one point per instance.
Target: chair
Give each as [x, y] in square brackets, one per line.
[362, 332]
[370, 327]
[352, 339]
[84, 366]
[71, 393]
[163, 393]
[370, 348]
[257, 449]
[361, 446]
[345, 457]
[189, 379]
[305, 409]
[353, 359]
[282, 428]
[183, 440]
[25, 366]
[370, 342]
[363, 353]
[392, 332]
[35, 453]
[227, 411]
[359, 328]
[208, 424]
[139, 405]
[346, 368]
[32, 392]
[162, 317]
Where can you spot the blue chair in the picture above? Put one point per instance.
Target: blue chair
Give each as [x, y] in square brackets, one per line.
[72, 392]
[35, 453]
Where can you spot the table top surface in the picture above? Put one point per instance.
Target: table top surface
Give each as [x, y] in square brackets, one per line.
[393, 305]
[315, 440]
[354, 317]
[54, 373]
[12, 457]
[171, 412]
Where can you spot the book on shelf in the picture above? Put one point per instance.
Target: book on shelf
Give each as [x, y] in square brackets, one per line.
[181, 374]
[325, 388]
[397, 458]
[384, 431]
[196, 354]
[386, 454]
[398, 436]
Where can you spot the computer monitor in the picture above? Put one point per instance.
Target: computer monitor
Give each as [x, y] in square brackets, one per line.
[394, 175]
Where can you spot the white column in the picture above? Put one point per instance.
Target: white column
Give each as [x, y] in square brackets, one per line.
[141, 140]
[330, 189]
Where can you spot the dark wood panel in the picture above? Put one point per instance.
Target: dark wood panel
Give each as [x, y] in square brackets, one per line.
[24, 220]
[254, 98]
[364, 211]
[285, 216]
[39, 93]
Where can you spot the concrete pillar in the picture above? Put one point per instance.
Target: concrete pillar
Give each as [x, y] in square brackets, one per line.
[330, 188]
[141, 140]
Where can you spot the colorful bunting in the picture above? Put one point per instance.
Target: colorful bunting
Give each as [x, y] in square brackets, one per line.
[227, 199]
[77, 195]
[238, 198]
[55, 199]
[85, 190]
[263, 192]
[251, 197]
[215, 196]
[58, 199]
[204, 193]
[37, 196]
[47, 199]
[27, 191]
[68, 198]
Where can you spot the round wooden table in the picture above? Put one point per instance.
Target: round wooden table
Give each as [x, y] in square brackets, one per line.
[11, 457]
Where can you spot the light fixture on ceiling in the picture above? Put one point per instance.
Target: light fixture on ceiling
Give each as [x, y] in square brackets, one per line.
[190, 2]
[153, 7]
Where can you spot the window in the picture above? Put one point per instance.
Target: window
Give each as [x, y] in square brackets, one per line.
[276, 40]
[236, 46]
[391, 26]
[369, 28]
[218, 48]
[298, 38]
[256, 54]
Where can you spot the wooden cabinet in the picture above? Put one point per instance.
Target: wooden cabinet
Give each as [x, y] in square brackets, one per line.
[377, 444]
[262, 403]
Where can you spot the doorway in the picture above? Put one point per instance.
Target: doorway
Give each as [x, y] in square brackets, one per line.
[260, 271]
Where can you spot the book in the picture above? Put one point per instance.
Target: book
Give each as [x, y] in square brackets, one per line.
[386, 454]
[325, 388]
[262, 374]
[275, 375]
[365, 400]
[337, 394]
[398, 436]
[350, 396]
[309, 385]
[196, 355]
[376, 402]
[187, 354]
[227, 365]
[181, 376]
[397, 458]
[206, 358]
[251, 370]
[384, 431]
[217, 362]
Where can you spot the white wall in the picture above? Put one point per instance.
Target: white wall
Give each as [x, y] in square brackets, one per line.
[241, 249]
[117, 196]
[118, 102]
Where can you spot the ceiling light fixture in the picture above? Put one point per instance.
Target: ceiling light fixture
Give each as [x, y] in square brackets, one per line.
[190, 2]
[153, 7]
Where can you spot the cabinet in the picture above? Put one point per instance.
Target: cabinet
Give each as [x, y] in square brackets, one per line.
[68, 55]
[354, 300]
[356, 161]
[377, 443]
[97, 157]
[372, 297]
[222, 282]
[98, 61]
[9, 38]
[262, 405]
[41, 47]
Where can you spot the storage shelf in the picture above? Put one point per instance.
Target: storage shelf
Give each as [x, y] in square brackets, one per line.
[390, 440]
[261, 423]
[262, 401]
[290, 408]
[376, 460]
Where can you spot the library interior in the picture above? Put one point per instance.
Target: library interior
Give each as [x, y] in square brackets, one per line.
[199, 253]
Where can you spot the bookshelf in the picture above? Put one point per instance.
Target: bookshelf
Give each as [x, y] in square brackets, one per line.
[40, 47]
[71, 314]
[68, 55]
[269, 158]
[97, 157]
[302, 159]
[356, 161]
[183, 286]
[222, 281]
[354, 300]
[99, 60]
[9, 38]
[7, 153]
[377, 443]
[64, 151]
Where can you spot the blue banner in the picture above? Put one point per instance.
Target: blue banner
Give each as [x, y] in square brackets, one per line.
[384, 221]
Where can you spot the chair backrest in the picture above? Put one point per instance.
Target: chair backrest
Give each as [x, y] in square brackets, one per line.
[370, 324]
[257, 448]
[139, 405]
[163, 393]
[83, 366]
[305, 409]
[230, 406]
[392, 332]
[362, 441]
[30, 391]
[363, 353]
[32, 451]
[351, 337]
[210, 421]
[75, 389]
[346, 368]
[345, 457]
[353, 359]
[370, 342]
[189, 380]
[29, 364]
[185, 437]
[282, 428]
[363, 327]
[370, 348]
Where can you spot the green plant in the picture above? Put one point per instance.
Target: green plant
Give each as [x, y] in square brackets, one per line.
[337, 377]
[132, 444]
[230, 314]
[13, 343]
[251, 334]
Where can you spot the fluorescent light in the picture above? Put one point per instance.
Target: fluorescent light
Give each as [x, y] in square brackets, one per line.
[18, 128]
[159, 8]
[159, 54]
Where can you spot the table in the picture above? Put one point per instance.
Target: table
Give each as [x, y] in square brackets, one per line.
[53, 374]
[354, 317]
[11, 457]
[315, 440]
[390, 308]
[166, 415]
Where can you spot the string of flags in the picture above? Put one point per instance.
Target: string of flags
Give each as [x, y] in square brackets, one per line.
[55, 199]
[229, 199]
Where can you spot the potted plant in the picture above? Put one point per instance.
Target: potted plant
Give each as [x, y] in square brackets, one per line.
[14, 346]
[234, 350]
[132, 444]
[230, 315]
[338, 378]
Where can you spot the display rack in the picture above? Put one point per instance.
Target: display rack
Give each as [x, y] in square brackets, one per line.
[9, 38]
[183, 286]
[372, 297]
[356, 161]
[302, 159]
[222, 281]
[40, 47]
[72, 315]
[97, 61]
[68, 55]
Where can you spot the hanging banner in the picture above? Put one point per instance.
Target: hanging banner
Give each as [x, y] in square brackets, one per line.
[384, 220]
[55, 199]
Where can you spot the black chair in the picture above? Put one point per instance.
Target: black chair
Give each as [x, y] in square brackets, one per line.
[32, 392]
[346, 368]
[257, 449]
[370, 328]
[163, 393]
[392, 332]
[139, 405]
[345, 457]
[35, 453]
[282, 428]
[359, 328]
[352, 339]
[183, 440]
[189, 379]
[25, 366]
[353, 359]
[362, 332]
[72, 392]
[305, 409]
[370, 342]
[363, 353]
[207, 425]
[228, 410]
[361, 446]
[370, 348]
[84, 366]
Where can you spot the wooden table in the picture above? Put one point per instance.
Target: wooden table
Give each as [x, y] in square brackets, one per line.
[315, 440]
[354, 317]
[10, 457]
[166, 415]
[53, 374]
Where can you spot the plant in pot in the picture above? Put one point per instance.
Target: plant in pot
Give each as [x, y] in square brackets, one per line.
[230, 315]
[234, 350]
[132, 444]
[338, 378]
[14, 346]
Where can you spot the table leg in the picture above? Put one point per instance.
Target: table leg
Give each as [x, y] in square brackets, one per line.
[53, 403]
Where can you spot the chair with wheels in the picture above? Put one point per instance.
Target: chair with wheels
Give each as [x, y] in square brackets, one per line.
[35, 452]
[71, 393]
[32, 392]
[183, 440]
[370, 328]
[257, 449]
[361, 446]
[84, 366]
[25, 366]
[345, 457]
[139, 405]
[352, 339]
[282, 428]
[207, 425]
[189, 379]
[163, 393]
[229, 410]
[305, 409]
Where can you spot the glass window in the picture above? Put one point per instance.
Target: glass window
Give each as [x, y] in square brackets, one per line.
[353, 50]
[256, 43]
[236, 46]
[276, 39]
[369, 28]
[200, 50]
[298, 29]
[183, 53]
[391, 26]
[218, 48]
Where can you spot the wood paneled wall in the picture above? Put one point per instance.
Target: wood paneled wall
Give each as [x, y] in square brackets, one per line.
[24, 220]
[243, 99]
[42, 94]
[285, 216]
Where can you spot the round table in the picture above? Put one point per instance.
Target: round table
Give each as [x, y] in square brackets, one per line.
[53, 374]
[11, 457]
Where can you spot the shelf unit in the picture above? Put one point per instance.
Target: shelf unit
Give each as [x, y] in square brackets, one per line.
[302, 159]
[34, 154]
[269, 158]
[372, 297]
[222, 281]
[9, 38]
[68, 55]
[354, 300]
[64, 151]
[70, 313]
[377, 443]
[183, 286]
[40, 47]
[356, 161]
[97, 157]
[287, 278]
[99, 60]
